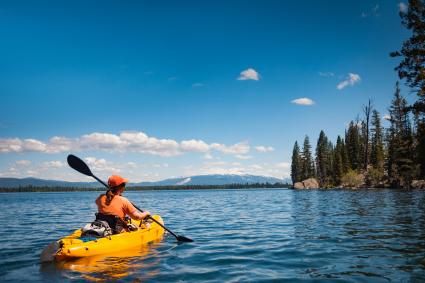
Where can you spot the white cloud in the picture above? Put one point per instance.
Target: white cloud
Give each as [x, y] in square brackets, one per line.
[264, 148]
[283, 165]
[256, 167]
[18, 145]
[208, 156]
[23, 163]
[249, 74]
[53, 164]
[402, 7]
[303, 101]
[126, 141]
[351, 80]
[387, 117]
[243, 157]
[239, 148]
[197, 85]
[101, 165]
[194, 145]
[326, 74]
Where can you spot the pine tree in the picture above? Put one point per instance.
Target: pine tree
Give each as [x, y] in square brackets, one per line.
[363, 144]
[344, 155]
[412, 66]
[420, 147]
[338, 163]
[377, 145]
[366, 110]
[330, 164]
[352, 141]
[412, 70]
[401, 166]
[296, 164]
[307, 161]
[322, 162]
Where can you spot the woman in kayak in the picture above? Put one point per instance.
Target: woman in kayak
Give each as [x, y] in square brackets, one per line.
[114, 204]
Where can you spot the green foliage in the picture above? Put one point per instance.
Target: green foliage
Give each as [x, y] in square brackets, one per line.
[377, 157]
[296, 164]
[339, 157]
[412, 66]
[147, 188]
[352, 139]
[375, 177]
[401, 166]
[352, 179]
[307, 166]
[324, 160]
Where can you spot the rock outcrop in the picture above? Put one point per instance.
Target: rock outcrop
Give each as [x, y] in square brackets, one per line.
[310, 183]
[418, 184]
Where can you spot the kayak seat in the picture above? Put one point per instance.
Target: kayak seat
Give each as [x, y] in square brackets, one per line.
[115, 222]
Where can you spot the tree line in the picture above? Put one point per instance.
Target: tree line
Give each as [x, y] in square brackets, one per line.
[147, 188]
[369, 154]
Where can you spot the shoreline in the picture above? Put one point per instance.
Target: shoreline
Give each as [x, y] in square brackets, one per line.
[29, 189]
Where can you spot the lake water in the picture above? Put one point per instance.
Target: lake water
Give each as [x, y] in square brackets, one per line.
[240, 235]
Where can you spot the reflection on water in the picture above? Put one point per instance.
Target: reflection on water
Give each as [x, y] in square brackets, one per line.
[240, 235]
[111, 266]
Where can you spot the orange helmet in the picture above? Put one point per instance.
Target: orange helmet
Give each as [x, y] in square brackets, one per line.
[115, 181]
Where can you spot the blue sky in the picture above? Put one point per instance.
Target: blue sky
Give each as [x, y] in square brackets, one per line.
[158, 89]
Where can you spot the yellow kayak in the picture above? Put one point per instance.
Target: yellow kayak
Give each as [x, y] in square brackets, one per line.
[72, 246]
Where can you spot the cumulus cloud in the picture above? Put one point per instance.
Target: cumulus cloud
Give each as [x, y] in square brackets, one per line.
[53, 164]
[283, 165]
[194, 145]
[239, 148]
[243, 157]
[303, 101]
[208, 156]
[249, 74]
[23, 163]
[101, 165]
[350, 81]
[138, 142]
[402, 7]
[264, 148]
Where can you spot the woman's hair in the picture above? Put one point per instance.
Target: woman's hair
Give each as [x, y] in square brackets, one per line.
[110, 193]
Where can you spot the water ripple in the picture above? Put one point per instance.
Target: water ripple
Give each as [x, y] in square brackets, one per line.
[240, 235]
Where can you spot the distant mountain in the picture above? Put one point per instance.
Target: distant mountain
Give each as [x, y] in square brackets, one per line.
[16, 182]
[212, 180]
[193, 180]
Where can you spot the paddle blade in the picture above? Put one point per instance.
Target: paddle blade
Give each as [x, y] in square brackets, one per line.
[77, 164]
[183, 239]
[48, 254]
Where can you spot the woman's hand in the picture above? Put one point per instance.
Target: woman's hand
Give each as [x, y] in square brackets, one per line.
[140, 215]
[146, 214]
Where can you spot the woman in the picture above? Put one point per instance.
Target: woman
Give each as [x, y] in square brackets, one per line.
[114, 204]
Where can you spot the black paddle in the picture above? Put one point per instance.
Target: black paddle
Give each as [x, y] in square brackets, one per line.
[79, 165]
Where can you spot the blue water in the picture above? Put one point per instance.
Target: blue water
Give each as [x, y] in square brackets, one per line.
[240, 235]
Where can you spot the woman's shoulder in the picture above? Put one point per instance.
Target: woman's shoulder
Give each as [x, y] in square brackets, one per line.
[121, 198]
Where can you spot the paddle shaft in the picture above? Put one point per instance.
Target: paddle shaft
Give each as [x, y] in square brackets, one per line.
[157, 222]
